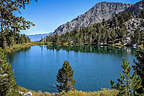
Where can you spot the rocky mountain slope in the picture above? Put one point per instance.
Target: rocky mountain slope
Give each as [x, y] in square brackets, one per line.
[123, 25]
[133, 24]
[136, 8]
[102, 10]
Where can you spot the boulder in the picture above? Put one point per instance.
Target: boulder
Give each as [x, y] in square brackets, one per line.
[28, 94]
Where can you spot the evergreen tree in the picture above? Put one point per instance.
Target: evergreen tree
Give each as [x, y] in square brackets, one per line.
[57, 39]
[139, 69]
[7, 82]
[141, 15]
[65, 78]
[137, 36]
[142, 37]
[115, 22]
[122, 33]
[104, 23]
[113, 35]
[10, 24]
[127, 84]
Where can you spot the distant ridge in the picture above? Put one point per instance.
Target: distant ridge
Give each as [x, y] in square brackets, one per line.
[37, 37]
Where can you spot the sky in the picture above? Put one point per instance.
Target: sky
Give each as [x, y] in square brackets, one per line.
[47, 15]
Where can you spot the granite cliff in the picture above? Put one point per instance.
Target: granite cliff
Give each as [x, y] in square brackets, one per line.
[102, 10]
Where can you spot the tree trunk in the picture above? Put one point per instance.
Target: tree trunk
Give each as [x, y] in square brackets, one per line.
[4, 44]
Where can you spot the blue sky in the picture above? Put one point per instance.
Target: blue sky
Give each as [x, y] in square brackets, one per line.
[49, 14]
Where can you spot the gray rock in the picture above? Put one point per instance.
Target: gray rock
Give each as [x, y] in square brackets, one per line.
[134, 45]
[133, 24]
[28, 94]
[136, 8]
[21, 93]
[102, 10]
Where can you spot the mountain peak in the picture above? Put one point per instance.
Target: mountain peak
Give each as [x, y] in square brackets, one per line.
[102, 10]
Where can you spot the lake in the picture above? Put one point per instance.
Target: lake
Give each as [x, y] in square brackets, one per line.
[36, 67]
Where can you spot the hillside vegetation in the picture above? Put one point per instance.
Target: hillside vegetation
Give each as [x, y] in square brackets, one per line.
[103, 92]
[122, 29]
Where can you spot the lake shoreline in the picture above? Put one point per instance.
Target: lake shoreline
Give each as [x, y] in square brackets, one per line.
[66, 44]
[18, 47]
[103, 92]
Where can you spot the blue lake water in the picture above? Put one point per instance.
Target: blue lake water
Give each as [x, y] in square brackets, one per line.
[36, 67]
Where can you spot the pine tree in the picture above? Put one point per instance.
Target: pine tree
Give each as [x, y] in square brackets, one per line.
[122, 33]
[127, 84]
[142, 37]
[57, 39]
[115, 21]
[139, 69]
[141, 15]
[10, 22]
[113, 35]
[65, 80]
[137, 36]
[7, 82]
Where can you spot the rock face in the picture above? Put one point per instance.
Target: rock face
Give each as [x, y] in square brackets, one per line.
[103, 10]
[133, 24]
[136, 8]
[28, 94]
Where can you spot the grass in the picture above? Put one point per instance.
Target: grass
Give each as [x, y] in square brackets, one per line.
[17, 47]
[103, 92]
[41, 43]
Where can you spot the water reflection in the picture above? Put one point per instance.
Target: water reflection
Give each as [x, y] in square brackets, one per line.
[11, 56]
[124, 51]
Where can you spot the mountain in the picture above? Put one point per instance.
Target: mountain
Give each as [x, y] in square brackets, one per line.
[37, 37]
[136, 8]
[123, 25]
[102, 10]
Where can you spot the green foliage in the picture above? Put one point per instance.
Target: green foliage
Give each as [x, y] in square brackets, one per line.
[139, 69]
[17, 47]
[10, 24]
[65, 78]
[137, 36]
[7, 82]
[103, 92]
[95, 34]
[141, 15]
[127, 84]
[11, 40]
[108, 32]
